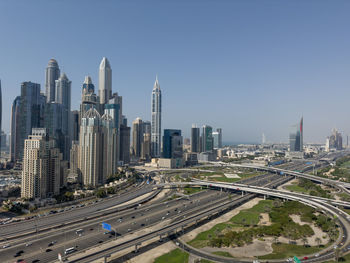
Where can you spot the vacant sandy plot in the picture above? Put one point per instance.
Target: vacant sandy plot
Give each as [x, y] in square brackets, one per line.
[232, 175]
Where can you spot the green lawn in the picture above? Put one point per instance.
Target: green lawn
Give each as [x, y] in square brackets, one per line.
[288, 250]
[223, 254]
[191, 190]
[251, 216]
[174, 256]
[202, 239]
[297, 188]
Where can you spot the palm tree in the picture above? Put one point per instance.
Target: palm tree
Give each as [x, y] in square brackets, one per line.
[304, 239]
[318, 241]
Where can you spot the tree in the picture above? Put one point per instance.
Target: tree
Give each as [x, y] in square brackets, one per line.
[101, 193]
[318, 241]
[304, 239]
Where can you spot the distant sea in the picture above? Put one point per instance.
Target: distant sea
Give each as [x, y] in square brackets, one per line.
[237, 143]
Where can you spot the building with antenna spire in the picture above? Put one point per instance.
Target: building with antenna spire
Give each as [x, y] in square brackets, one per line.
[156, 125]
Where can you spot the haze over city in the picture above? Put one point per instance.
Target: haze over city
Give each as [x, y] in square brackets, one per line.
[247, 67]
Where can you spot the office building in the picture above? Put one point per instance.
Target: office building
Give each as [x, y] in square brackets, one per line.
[124, 156]
[172, 144]
[105, 81]
[217, 138]
[31, 114]
[146, 147]
[90, 149]
[296, 137]
[195, 139]
[15, 118]
[75, 125]
[88, 97]
[335, 141]
[41, 166]
[1, 141]
[207, 138]
[156, 110]
[137, 137]
[52, 74]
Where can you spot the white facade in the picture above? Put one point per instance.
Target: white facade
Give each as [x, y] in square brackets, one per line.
[156, 133]
[52, 74]
[105, 81]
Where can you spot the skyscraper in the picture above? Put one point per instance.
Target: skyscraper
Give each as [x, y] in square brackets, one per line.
[1, 113]
[296, 137]
[31, 109]
[172, 144]
[75, 125]
[105, 81]
[90, 152]
[14, 144]
[41, 166]
[88, 97]
[207, 138]
[124, 152]
[61, 114]
[137, 137]
[335, 140]
[217, 138]
[156, 120]
[195, 139]
[52, 74]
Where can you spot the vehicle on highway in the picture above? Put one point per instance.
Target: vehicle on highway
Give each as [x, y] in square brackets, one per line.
[51, 243]
[317, 255]
[163, 217]
[29, 244]
[129, 229]
[6, 246]
[69, 250]
[79, 232]
[305, 258]
[48, 250]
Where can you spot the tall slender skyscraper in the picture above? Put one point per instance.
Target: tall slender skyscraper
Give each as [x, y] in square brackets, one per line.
[137, 137]
[296, 137]
[1, 114]
[156, 120]
[195, 139]
[15, 119]
[207, 138]
[52, 74]
[105, 81]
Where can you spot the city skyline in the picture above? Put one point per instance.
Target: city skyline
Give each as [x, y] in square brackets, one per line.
[234, 89]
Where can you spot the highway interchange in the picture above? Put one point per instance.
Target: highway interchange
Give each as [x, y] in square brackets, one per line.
[174, 214]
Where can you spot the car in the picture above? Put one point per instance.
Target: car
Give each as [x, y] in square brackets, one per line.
[101, 241]
[142, 224]
[163, 217]
[317, 255]
[20, 260]
[177, 243]
[6, 246]
[106, 232]
[133, 217]
[91, 229]
[48, 250]
[305, 258]
[28, 244]
[51, 243]
[35, 260]
[129, 229]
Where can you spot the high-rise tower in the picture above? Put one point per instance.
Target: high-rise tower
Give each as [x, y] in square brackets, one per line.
[105, 81]
[52, 74]
[156, 120]
[1, 113]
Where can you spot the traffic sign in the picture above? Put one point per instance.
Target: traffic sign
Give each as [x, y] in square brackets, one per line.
[106, 226]
[296, 260]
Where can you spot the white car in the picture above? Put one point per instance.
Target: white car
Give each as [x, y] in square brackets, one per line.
[6, 246]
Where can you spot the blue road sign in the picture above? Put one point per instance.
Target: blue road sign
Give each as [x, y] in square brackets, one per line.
[147, 181]
[107, 226]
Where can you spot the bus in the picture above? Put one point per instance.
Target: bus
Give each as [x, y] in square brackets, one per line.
[79, 232]
[69, 250]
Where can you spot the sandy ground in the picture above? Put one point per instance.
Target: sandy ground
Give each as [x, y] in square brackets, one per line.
[224, 218]
[232, 175]
[215, 176]
[318, 232]
[257, 248]
[264, 219]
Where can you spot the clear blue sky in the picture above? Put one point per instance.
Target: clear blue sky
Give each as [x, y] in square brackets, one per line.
[246, 66]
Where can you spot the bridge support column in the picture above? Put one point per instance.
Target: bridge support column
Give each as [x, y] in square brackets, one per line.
[137, 247]
[160, 238]
[242, 193]
[221, 189]
[264, 197]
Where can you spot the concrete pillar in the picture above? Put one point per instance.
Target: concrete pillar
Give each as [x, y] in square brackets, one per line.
[136, 248]
[264, 197]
